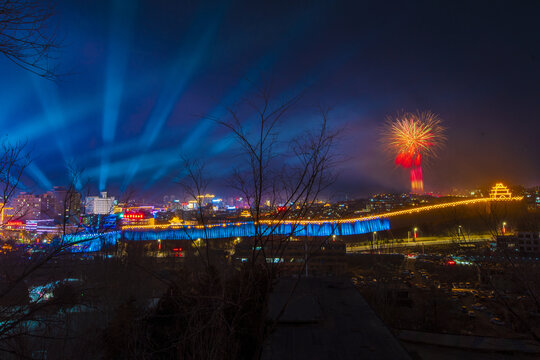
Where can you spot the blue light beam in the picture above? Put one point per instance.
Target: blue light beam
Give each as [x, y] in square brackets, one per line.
[122, 17]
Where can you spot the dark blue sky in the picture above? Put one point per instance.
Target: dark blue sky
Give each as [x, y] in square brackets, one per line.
[141, 74]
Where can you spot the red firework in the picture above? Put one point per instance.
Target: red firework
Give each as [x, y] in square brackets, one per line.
[412, 137]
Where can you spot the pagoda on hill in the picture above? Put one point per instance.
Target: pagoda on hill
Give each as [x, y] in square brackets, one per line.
[499, 191]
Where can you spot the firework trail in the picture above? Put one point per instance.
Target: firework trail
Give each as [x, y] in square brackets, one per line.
[411, 137]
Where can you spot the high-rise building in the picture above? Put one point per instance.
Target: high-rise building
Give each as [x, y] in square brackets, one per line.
[60, 203]
[48, 205]
[167, 199]
[27, 206]
[100, 205]
[68, 202]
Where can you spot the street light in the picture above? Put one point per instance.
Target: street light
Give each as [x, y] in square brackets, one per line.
[504, 227]
[459, 230]
[415, 231]
[373, 240]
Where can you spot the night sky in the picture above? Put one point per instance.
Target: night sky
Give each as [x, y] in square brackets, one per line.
[139, 79]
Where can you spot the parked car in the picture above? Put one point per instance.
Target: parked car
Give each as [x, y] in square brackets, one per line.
[479, 307]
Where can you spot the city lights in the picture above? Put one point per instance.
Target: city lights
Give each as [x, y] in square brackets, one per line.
[252, 179]
[299, 227]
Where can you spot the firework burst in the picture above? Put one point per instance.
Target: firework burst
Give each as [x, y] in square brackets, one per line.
[411, 137]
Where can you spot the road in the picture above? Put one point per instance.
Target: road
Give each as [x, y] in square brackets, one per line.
[425, 241]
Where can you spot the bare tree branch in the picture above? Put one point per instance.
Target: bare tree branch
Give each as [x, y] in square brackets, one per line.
[26, 37]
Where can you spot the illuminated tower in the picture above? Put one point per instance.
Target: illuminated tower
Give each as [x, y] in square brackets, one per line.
[499, 191]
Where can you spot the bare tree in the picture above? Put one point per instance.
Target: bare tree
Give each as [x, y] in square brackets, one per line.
[274, 171]
[26, 37]
[38, 283]
[14, 159]
[286, 173]
[195, 184]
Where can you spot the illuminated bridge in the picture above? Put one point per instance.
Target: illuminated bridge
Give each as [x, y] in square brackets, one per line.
[248, 229]
[94, 242]
[311, 228]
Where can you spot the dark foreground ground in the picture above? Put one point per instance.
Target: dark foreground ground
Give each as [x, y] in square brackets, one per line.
[327, 319]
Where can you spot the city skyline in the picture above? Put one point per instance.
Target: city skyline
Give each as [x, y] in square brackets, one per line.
[234, 179]
[135, 94]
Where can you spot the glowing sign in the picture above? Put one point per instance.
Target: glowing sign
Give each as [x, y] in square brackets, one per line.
[134, 216]
[245, 214]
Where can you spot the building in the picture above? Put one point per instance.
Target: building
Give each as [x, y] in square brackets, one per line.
[532, 197]
[528, 242]
[168, 199]
[60, 203]
[324, 258]
[141, 215]
[26, 206]
[48, 205]
[499, 191]
[524, 242]
[67, 201]
[388, 202]
[100, 205]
